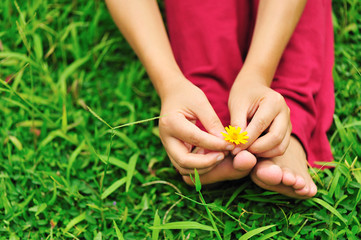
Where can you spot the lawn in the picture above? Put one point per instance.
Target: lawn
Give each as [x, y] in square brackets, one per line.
[71, 167]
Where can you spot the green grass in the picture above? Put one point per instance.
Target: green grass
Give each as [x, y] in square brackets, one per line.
[64, 174]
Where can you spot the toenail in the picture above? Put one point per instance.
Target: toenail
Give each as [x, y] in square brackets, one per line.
[314, 189]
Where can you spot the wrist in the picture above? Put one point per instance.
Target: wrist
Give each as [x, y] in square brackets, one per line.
[253, 74]
[166, 81]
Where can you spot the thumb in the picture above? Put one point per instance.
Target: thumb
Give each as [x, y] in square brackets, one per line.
[210, 120]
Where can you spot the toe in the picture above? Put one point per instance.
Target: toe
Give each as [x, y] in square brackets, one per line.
[244, 161]
[313, 190]
[288, 179]
[300, 183]
[269, 173]
[303, 191]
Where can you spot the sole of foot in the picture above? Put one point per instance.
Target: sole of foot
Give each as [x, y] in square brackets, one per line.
[286, 174]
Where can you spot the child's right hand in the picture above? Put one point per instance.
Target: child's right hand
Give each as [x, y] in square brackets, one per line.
[181, 108]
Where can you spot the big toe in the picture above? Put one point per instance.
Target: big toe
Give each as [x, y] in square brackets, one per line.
[268, 173]
[244, 161]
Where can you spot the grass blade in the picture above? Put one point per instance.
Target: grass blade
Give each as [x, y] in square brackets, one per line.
[235, 194]
[117, 231]
[27, 103]
[137, 122]
[128, 141]
[156, 223]
[113, 187]
[20, 57]
[255, 232]
[183, 225]
[72, 158]
[269, 235]
[26, 201]
[197, 181]
[16, 142]
[113, 161]
[98, 117]
[329, 208]
[334, 183]
[74, 221]
[70, 70]
[98, 236]
[131, 169]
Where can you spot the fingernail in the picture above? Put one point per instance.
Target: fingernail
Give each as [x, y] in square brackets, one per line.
[220, 157]
[230, 147]
[236, 150]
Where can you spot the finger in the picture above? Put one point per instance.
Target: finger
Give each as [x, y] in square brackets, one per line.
[279, 149]
[209, 119]
[186, 160]
[277, 132]
[264, 116]
[181, 128]
[187, 171]
[239, 117]
[222, 172]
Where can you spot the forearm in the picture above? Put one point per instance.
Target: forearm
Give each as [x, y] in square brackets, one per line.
[141, 24]
[275, 23]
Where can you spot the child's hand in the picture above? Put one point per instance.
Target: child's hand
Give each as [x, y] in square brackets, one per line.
[181, 108]
[266, 112]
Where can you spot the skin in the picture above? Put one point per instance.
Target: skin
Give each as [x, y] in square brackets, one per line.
[281, 166]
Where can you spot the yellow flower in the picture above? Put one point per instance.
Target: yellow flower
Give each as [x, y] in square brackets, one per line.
[234, 135]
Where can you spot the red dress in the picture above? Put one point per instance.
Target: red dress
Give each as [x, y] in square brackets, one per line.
[210, 40]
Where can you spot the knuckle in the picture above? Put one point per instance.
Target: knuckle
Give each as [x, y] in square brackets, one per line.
[183, 172]
[261, 124]
[164, 123]
[280, 149]
[275, 152]
[277, 137]
[283, 149]
[182, 163]
[194, 139]
[214, 123]
[254, 149]
[278, 98]
[202, 95]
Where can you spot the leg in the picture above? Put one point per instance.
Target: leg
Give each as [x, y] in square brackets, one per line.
[304, 79]
[205, 41]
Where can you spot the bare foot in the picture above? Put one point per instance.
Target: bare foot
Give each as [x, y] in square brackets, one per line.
[286, 174]
[231, 168]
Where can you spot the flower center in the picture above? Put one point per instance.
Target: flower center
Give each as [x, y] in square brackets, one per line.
[234, 136]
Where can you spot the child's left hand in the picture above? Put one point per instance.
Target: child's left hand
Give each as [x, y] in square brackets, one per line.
[251, 100]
